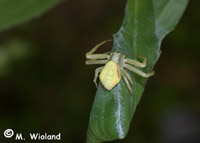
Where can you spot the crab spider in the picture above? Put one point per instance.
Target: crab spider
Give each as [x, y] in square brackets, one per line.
[116, 65]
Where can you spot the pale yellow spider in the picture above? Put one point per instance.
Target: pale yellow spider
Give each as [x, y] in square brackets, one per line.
[115, 66]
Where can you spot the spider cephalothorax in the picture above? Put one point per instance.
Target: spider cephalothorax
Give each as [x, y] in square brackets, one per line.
[115, 67]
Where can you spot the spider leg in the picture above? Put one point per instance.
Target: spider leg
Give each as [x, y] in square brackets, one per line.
[94, 62]
[91, 56]
[139, 72]
[128, 76]
[137, 63]
[97, 71]
[127, 82]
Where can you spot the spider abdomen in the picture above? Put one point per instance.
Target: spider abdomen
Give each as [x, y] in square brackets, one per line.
[110, 75]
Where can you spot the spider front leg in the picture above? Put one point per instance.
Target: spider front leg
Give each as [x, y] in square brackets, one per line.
[95, 62]
[137, 63]
[91, 56]
[139, 72]
[97, 71]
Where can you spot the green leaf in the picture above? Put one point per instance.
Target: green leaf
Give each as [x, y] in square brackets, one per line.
[145, 24]
[14, 12]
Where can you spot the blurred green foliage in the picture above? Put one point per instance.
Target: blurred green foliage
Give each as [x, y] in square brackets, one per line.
[14, 12]
[13, 51]
[51, 89]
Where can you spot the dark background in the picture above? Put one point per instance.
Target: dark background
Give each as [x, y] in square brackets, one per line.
[45, 85]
